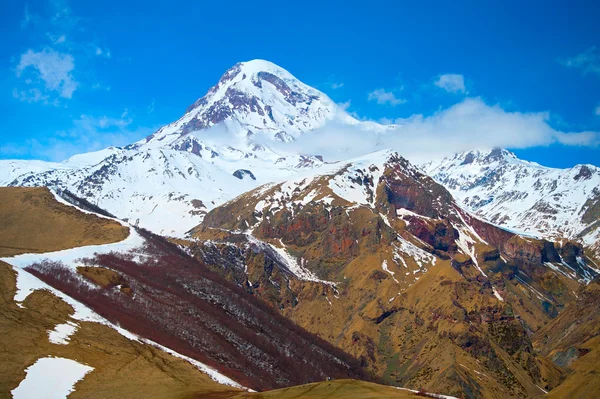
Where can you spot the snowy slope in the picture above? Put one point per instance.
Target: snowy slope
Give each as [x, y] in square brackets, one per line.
[258, 96]
[216, 151]
[524, 196]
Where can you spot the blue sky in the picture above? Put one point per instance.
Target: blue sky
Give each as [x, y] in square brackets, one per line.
[80, 76]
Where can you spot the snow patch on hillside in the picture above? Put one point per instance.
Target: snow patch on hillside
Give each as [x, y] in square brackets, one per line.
[51, 377]
[61, 334]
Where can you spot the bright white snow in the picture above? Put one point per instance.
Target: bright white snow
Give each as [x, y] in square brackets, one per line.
[51, 377]
[62, 333]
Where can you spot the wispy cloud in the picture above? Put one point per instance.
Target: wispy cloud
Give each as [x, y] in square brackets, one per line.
[382, 96]
[53, 68]
[151, 106]
[31, 96]
[451, 82]
[102, 52]
[336, 86]
[26, 17]
[345, 105]
[87, 133]
[587, 61]
[46, 71]
[597, 110]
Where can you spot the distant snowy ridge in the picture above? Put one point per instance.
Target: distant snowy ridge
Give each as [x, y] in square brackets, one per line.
[525, 196]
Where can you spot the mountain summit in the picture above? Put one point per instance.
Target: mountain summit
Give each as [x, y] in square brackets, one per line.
[258, 96]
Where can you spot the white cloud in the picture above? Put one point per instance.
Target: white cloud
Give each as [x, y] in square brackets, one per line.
[337, 85]
[382, 96]
[467, 125]
[587, 61]
[58, 40]
[451, 82]
[345, 105]
[53, 68]
[26, 17]
[48, 68]
[597, 110]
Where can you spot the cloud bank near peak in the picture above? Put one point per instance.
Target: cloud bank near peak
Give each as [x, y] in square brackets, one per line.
[466, 125]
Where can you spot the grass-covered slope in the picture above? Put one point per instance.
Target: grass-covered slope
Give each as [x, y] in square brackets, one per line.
[33, 221]
[338, 389]
[572, 341]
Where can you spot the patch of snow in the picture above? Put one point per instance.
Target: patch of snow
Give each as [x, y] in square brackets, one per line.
[466, 244]
[434, 395]
[296, 268]
[51, 377]
[497, 294]
[70, 257]
[62, 333]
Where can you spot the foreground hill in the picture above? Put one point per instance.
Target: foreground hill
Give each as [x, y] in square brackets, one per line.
[377, 258]
[41, 323]
[151, 288]
[32, 220]
[340, 389]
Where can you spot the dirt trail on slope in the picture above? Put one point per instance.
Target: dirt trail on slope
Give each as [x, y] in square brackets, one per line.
[33, 221]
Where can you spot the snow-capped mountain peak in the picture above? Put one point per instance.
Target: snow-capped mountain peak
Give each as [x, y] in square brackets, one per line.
[220, 148]
[257, 97]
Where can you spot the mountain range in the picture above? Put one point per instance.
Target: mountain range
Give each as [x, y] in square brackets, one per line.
[456, 276]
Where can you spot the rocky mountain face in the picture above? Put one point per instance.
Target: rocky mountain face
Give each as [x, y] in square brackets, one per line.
[377, 258]
[572, 340]
[524, 196]
[220, 148]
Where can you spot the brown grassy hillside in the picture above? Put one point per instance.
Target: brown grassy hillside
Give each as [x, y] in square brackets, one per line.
[122, 367]
[31, 220]
[572, 340]
[335, 389]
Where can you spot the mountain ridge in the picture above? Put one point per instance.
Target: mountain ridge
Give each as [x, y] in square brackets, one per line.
[524, 196]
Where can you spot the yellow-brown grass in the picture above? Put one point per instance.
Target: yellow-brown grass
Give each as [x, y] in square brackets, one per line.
[339, 389]
[31, 220]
